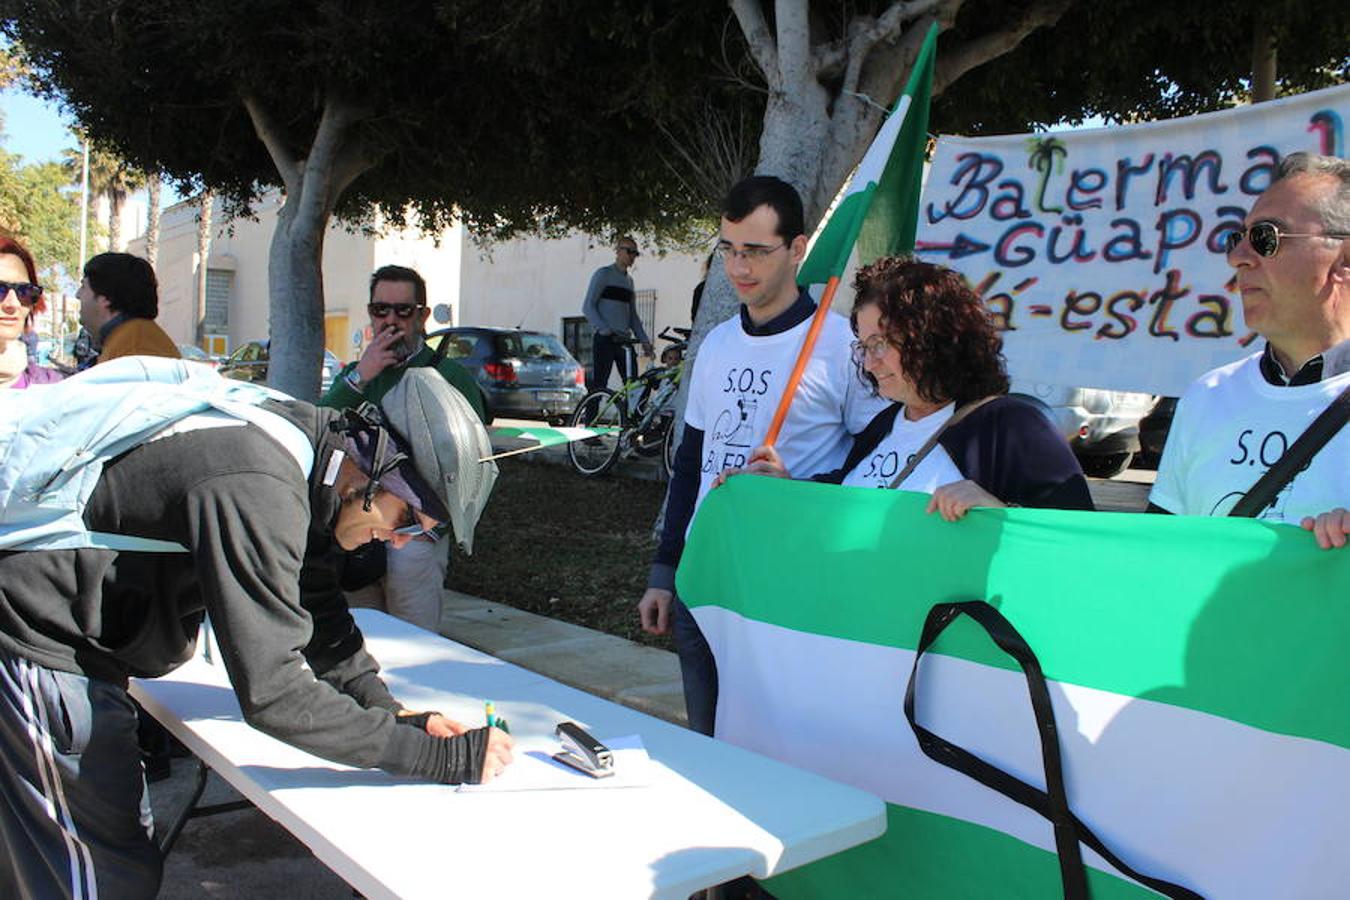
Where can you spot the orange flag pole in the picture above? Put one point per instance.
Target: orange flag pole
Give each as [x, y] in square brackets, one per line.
[808, 345]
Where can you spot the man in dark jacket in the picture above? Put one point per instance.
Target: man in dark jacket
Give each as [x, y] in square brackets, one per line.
[260, 536]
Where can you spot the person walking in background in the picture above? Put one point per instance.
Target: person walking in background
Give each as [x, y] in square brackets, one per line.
[611, 309]
[119, 300]
[22, 299]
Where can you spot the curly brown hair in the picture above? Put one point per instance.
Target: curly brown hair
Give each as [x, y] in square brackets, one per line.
[948, 345]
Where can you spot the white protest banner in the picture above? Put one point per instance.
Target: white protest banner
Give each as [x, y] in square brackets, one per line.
[1100, 252]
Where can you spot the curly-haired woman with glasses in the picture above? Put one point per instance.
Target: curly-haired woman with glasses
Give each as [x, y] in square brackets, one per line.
[22, 299]
[926, 342]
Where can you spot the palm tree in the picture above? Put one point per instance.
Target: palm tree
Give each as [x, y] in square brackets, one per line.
[1044, 154]
[205, 200]
[109, 176]
[153, 184]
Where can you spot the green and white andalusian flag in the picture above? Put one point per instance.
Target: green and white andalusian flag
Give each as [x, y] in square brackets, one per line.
[1197, 667]
[538, 437]
[878, 212]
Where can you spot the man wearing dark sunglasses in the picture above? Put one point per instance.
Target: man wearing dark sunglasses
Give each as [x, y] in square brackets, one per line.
[1292, 262]
[405, 580]
[611, 309]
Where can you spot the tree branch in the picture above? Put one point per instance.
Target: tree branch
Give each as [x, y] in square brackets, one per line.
[287, 165]
[334, 160]
[849, 55]
[793, 26]
[891, 24]
[888, 65]
[959, 60]
[758, 38]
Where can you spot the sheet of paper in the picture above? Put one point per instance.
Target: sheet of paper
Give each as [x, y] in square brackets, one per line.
[537, 770]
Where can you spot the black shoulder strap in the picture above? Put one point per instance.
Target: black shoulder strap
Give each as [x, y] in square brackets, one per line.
[933, 439]
[441, 349]
[1052, 803]
[1314, 438]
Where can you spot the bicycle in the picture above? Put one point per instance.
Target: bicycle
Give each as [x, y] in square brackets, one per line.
[638, 418]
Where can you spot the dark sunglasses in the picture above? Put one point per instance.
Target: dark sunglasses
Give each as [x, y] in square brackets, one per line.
[379, 310]
[631, 251]
[27, 293]
[1265, 238]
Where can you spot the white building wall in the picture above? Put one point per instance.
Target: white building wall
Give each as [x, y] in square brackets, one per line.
[175, 269]
[530, 282]
[131, 221]
[535, 283]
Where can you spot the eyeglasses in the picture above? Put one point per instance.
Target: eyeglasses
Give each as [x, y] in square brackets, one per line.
[631, 251]
[752, 254]
[379, 310]
[27, 293]
[1265, 237]
[874, 347]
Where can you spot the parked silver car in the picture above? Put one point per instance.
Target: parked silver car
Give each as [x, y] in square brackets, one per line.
[1101, 426]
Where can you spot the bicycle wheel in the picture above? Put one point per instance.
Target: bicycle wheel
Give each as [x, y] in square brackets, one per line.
[596, 455]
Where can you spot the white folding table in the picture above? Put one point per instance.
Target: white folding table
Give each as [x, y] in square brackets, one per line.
[711, 812]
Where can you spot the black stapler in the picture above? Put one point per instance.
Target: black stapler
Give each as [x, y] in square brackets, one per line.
[583, 752]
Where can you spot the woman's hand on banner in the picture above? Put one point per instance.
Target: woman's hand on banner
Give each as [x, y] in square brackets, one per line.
[954, 500]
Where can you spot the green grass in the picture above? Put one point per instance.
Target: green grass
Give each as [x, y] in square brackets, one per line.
[560, 545]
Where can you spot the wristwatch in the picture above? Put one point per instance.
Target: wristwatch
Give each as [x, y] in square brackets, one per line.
[353, 378]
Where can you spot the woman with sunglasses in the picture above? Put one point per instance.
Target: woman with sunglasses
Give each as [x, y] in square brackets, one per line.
[22, 299]
[926, 342]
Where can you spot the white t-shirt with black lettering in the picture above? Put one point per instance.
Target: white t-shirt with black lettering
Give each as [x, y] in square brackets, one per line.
[1231, 426]
[880, 467]
[738, 380]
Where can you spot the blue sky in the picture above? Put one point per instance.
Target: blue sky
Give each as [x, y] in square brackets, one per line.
[37, 131]
[33, 128]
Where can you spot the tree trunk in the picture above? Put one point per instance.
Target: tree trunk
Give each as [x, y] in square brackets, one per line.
[295, 281]
[115, 198]
[813, 137]
[796, 129]
[153, 187]
[205, 201]
[314, 182]
[1263, 62]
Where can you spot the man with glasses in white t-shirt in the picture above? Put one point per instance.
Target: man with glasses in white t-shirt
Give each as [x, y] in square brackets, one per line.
[1292, 262]
[738, 378]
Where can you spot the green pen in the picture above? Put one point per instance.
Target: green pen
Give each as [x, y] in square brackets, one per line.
[490, 712]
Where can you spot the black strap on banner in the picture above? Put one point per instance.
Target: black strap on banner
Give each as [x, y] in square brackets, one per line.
[1300, 453]
[1052, 803]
